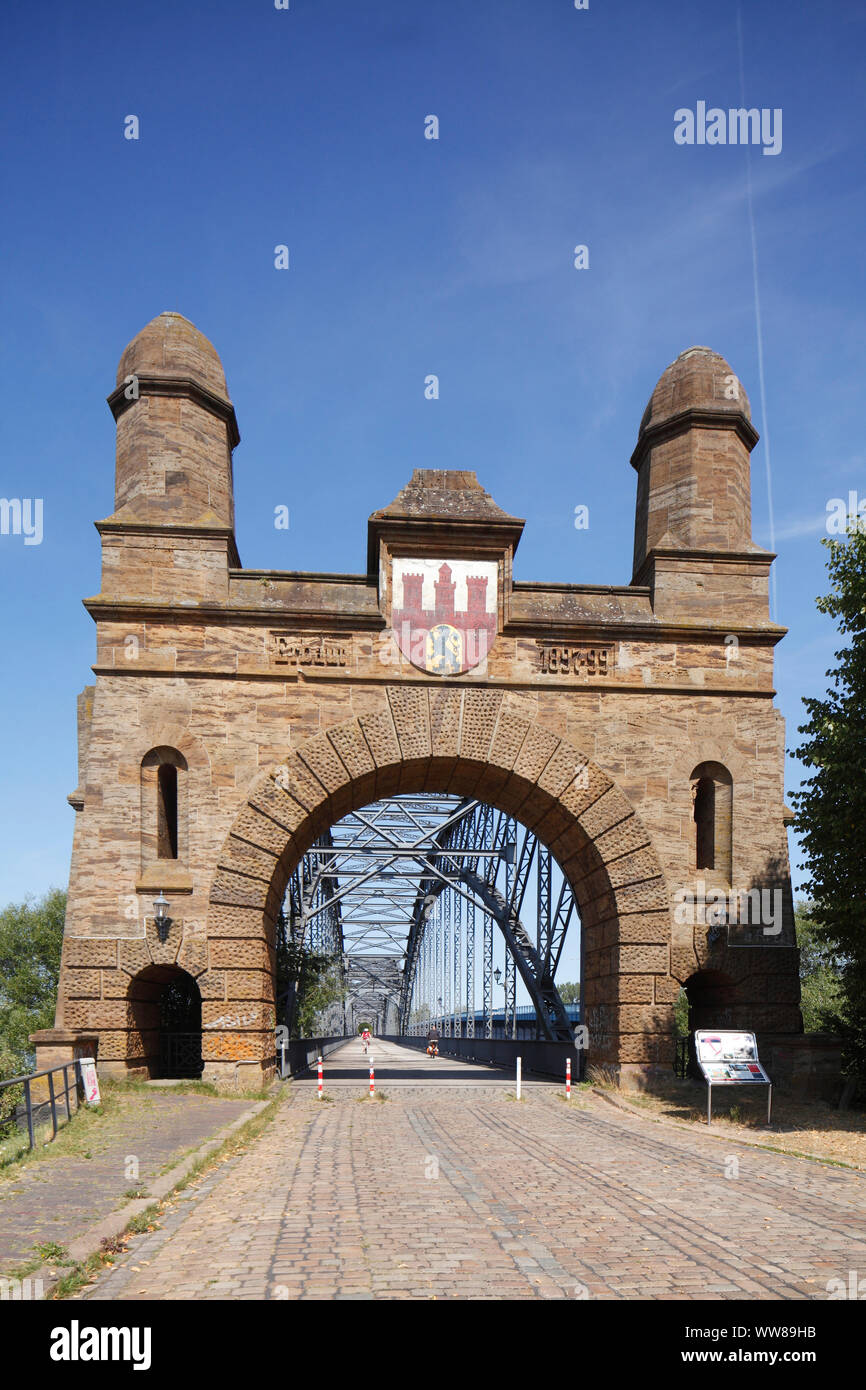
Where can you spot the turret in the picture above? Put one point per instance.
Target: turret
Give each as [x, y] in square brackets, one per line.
[693, 526]
[176, 429]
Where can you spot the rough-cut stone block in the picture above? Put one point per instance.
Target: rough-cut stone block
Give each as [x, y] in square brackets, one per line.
[536, 752]
[231, 1014]
[646, 1018]
[351, 747]
[445, 711]
[212, 984]
[321, 758]
[640, 866]
[134, 956]
[667, 991]
[559, 772]
[240, 955]
[85, 984]
[684, 963]
[273, 800]
[622, 838]
[381, 738]
[193, 954]
[610, 810]
[116, 984]
[250, 984]
[95, 953]
[237, 1046]
[165, 952]
[235, 890]
[235, 921]
[300, 783]
[508, 740]
[247, 858]
[480, 711]
[639, 960]
[102, 1013]
[411, 715]
[647, 928]
[639, 897]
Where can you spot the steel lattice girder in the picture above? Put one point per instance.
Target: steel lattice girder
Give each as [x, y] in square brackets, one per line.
[534, 965]
[372, 879]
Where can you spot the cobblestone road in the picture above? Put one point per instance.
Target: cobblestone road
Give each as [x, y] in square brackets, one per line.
[55, 1198]
[450, 1191]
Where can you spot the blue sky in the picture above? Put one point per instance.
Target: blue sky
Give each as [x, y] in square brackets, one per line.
[408, 257]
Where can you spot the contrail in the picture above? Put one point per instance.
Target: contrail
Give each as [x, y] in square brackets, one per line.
[765, 430]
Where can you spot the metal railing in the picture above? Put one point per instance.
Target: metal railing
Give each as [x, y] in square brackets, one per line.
[33, 1108]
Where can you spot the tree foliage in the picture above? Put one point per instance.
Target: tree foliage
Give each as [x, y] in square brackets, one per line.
[821, 999]
[569, 991]
[31, 936]
[311, 981]
[831, 804]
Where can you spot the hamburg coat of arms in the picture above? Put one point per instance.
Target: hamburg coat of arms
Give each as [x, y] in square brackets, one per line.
[443, 612]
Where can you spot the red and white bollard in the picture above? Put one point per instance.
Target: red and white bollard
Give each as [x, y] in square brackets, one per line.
[568, 1078]
[372, 1083]
[320, 1078]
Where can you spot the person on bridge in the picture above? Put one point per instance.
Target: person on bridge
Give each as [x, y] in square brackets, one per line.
[366, 1039]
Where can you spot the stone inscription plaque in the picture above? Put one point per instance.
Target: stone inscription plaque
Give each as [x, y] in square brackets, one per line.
[566, 659]
[309, 649]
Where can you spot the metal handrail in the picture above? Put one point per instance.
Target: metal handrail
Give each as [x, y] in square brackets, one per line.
[53, 1096]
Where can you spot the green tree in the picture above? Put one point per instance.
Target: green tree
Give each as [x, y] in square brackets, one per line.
[569, 992]
[31, 935]
[831, 804]
[681, 1015]
[311, 982]
[821, 999]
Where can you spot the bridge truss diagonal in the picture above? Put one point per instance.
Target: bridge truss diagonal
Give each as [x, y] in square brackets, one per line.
[393, 894]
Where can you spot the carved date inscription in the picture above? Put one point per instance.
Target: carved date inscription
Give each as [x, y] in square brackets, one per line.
[563, 659]
[309, 649]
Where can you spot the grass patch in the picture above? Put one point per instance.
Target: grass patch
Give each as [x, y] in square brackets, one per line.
[810, 1129]
[51, 1253]
[92, 1126]
[87, 1271]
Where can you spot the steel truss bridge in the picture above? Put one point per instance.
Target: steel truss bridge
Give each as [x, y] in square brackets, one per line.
[412, 896]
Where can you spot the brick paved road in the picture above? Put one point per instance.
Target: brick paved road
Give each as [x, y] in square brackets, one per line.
[455, 1192]
[57, 1197]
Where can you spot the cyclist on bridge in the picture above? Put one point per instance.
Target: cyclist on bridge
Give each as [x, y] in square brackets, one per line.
[366, 1039]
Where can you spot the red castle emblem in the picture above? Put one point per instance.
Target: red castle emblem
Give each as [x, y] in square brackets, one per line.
[443, 639]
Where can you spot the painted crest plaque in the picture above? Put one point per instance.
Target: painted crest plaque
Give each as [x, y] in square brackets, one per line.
[443, 612]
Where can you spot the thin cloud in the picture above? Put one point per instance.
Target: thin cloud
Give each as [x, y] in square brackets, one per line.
[803, 526]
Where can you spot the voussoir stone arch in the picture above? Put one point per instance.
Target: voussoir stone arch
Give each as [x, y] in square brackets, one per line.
[468, 742]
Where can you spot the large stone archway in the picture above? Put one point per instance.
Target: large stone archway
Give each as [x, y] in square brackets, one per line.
[236, 713]
[473, 744]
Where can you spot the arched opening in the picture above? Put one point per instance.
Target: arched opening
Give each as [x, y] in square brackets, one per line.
[712, 814]
[163, 809]
[167, 1018]
[431, 908]
[166, 822]
[468, 743]
[712, 1000]
[705, 823]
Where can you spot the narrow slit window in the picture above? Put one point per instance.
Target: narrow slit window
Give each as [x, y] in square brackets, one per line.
[166, 829]
[705, 824]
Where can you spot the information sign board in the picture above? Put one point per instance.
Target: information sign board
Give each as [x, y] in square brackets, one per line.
[729, 1058]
